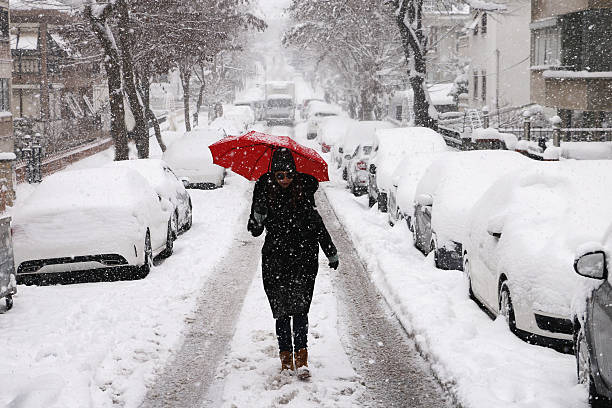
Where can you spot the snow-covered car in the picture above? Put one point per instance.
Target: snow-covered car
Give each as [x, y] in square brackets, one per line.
[331, 131]
[357, 146]
[90, 219]
[389, 148]
[316, 112]
[228, 127]
[405, 178]
[593, 320]
[446, 193]
[280, 109]
[242, 115]
[167, 185]
[522, 241]
[190, 159]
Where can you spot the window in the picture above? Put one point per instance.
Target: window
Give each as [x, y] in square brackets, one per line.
[483, 24]
[398, 112]
[475, 81]
[546, 48]
[4, 23]
[484, 86]
[5, 104]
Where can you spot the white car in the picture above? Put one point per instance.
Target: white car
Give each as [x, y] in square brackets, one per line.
[190, 159]
[524, 234]
[90, 219]
[357, 146]
[445, 195]
[316, 112]
[227, 127]
[242, 115]
[405, 178]
[167, 185]
[390, 147]
[332, 130]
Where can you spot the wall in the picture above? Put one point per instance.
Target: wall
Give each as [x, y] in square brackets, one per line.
[548, 8]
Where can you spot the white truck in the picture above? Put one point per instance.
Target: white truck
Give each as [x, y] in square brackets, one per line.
[280, 102]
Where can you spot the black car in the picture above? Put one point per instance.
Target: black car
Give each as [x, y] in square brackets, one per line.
[593, 331]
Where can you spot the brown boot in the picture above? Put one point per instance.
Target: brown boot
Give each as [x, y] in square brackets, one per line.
[286, 358]
[301, 364]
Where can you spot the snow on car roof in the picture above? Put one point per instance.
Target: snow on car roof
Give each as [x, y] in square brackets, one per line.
[545, 214]
[153, 171]
[362, 132]
[391, 145]
[334, 128]
[456, 181]
[191, 150]
[323, 107]
[90, 188]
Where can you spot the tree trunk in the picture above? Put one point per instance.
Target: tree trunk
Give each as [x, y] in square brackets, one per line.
[366, 106]
[185, 73]
[199, 103]
[144, 90]
[113, 74]
[142, 129]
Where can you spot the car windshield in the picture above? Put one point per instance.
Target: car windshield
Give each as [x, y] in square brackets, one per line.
[279, 103]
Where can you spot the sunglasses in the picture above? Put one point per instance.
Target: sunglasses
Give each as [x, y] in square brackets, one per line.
[281, 175]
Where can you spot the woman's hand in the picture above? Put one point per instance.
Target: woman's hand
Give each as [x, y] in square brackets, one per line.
[334, 262]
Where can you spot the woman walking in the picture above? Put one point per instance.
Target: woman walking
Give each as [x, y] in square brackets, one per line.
[283, 204]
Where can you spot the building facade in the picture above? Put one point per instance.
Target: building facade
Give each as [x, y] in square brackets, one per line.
[571, 60]
[7, 157]
[56, 94]
[497, 46]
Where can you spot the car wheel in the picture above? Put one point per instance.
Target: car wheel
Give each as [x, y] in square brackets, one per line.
[8, 302]
[505, 307]
[584, 371]
[468, 275]
[170, 236]
[148, 257]
[189, 217]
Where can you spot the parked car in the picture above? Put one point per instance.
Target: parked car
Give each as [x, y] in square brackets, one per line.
[357, 144]
[88, 220]
[316, 112]
[331, 131]
[241, 115]
[390, 146]
[307, 102]
[523, 234]
[405, 179]
[167, 185]
[228, 127]
[191, 160]
[593, 320]
[446, 193]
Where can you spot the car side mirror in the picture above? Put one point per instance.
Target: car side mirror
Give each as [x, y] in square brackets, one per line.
[592, 265]
[340, 150]
[495, 226]
[373, 168]
[424, 200]
[185, 182]
[495, 234]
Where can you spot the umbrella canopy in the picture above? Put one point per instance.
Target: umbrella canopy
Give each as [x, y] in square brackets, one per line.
[250, 155]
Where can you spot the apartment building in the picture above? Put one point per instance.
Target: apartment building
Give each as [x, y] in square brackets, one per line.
[571, 60]
[497, 43]
[7, 188]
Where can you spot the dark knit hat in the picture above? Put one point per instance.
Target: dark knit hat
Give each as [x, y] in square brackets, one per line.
[282, 160]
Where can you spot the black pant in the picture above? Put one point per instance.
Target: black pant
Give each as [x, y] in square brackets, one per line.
[300, 332]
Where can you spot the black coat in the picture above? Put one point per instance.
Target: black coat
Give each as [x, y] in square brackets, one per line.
[294, 231]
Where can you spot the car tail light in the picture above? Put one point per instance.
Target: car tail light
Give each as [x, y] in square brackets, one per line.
[361, 165]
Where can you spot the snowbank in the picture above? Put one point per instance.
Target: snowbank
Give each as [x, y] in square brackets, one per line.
[587, 150]
[333, 129]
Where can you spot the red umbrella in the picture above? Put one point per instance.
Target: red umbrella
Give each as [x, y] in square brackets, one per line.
[249, 155]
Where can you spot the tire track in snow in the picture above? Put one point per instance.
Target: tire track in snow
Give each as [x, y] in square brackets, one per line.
[395, 374]
[185, 381]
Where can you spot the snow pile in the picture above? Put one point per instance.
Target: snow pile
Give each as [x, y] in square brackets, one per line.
[100, 344]
[587, 150]
[456, 181]
[480, 361]
[486, 134]
[362, 133]
[545, 214]
[242, 115]
[230, 127]
[322, 108]
[392, 145]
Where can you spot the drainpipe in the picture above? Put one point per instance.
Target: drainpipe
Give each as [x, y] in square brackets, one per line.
[497, 79]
